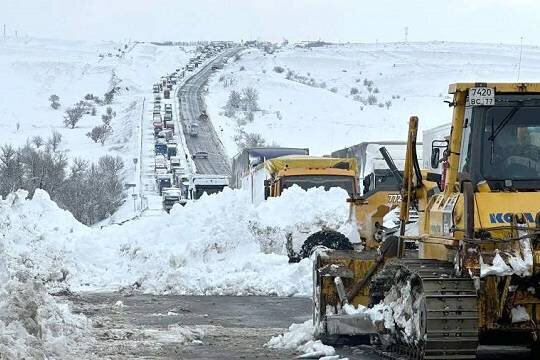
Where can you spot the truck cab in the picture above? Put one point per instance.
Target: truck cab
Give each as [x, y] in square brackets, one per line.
[200, 184]
[170, 197]
[310, 172]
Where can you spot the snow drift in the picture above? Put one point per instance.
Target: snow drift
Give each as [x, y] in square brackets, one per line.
[33, 324]
[221, 244]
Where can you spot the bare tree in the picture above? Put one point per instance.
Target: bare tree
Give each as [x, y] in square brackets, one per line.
[37, 141]
[250, 96]
[73, 115]
[54, 141]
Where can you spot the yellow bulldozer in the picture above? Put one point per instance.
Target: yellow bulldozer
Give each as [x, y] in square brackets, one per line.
[475, 277]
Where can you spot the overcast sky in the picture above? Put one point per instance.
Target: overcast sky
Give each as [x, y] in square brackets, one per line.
[332, 20]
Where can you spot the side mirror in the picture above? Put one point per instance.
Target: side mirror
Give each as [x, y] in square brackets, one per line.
[435, 157]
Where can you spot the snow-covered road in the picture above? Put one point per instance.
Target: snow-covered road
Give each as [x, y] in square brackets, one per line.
[191, 104]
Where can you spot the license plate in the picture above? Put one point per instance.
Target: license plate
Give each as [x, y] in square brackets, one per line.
[481, 96]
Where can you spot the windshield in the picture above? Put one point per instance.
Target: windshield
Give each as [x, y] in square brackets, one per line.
[326, 181]
[511, 143]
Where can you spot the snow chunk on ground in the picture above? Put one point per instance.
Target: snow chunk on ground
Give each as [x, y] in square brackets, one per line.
[519, 314]
[33, 325]
[300, 338]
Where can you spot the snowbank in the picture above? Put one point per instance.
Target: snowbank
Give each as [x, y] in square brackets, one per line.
[221, 244]
[33, 324]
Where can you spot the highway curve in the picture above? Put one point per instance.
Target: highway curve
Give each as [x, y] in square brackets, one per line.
[191, 103]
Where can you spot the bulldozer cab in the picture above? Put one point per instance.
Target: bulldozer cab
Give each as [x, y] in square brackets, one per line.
[507, 153]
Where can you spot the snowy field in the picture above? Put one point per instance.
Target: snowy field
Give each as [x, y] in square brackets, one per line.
[33, 69]
[318, 100]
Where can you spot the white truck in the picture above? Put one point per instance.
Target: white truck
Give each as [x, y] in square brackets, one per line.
[372, 168]
[206, 183]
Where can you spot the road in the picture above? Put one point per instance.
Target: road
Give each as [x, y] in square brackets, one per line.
[191, 100]
[189, 327]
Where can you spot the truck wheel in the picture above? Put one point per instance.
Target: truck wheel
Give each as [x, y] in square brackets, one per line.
[327, 238]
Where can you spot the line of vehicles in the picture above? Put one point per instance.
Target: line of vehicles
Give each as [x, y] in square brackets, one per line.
[176, 179]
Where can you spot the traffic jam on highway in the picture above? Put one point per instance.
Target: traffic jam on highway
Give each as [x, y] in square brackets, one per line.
[175, 169]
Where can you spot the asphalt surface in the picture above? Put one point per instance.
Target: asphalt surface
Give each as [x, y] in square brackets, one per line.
[191, 100]
[189, 327]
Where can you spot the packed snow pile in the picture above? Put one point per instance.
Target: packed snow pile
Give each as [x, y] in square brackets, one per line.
[516, 262]
[221, 244]
[33, 324]
[300, 338]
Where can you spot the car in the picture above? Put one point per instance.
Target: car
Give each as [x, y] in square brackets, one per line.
[200, 155]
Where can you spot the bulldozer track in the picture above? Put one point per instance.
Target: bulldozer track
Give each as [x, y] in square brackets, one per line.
[448, 314]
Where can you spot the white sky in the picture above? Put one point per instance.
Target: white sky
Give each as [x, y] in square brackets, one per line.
[332, 20]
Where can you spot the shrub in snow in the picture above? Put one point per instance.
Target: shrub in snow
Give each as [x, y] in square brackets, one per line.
[37, 141]
[91, 193]
[54, 141]
[290, 75]
[388, 104]
[372, 100]
[381, 105]
[55, 101]
[354, 91]
[250, 96]
[99, 133]
[279, 69]
[108, 116]
[376, 90]
[109, 96]
[334, 90]
[73, 115]
[242, 68]
[234, 102]
[247, 140]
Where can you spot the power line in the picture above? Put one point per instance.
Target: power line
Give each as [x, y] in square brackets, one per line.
[520, 56]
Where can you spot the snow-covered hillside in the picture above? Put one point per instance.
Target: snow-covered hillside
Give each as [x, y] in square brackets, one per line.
[33, 69]
[317, 97]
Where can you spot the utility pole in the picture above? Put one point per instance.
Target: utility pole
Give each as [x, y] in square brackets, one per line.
[520, 56]
[406, 34]
[4, 31]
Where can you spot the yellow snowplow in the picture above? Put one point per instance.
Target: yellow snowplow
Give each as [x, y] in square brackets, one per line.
[475, 278]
